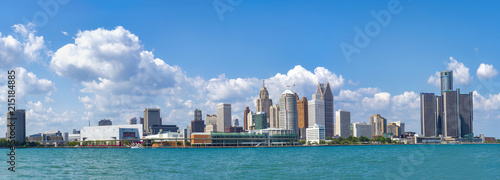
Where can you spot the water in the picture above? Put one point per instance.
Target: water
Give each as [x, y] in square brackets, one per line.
[337, 162]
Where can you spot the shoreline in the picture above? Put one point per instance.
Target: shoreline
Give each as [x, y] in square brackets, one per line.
[212, 147]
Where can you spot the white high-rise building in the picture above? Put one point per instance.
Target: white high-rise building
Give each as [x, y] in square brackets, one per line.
[342, 124]
[315, 133]
[223, 116]
[316, 111]
[250, 123]
[288, 112]
[362, 129]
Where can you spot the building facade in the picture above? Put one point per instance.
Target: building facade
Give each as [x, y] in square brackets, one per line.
[260, 120]
[223, 116]
[302, 111]
[451, 113]
[316, 111]
[264, 103]
[428, 116]
[343, 123]
[197, 125]
[379, 125]
[245, 120]
[466, 114]
[274, 116]
[16, 125]
[109, 133]
[151, 117]
[315, 133]
[362, 129]
[132, 121]
[105, 122]
[288, 112]
[326, 95]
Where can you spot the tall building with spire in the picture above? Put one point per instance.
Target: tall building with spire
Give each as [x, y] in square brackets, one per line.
[263, 103]
[325, 93]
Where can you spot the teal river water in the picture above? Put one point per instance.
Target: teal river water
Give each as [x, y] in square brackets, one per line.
[333, 162]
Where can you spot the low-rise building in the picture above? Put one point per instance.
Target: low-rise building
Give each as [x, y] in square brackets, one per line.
[315, 133]
[110, 133]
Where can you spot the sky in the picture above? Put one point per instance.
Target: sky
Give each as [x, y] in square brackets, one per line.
[81, 61]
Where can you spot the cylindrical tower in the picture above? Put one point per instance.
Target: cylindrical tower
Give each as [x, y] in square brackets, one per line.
[446, 81]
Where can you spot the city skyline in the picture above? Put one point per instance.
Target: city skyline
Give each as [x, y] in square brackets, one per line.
[68, 71]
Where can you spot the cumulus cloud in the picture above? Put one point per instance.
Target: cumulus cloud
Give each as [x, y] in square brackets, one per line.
[111, 54]
[461, 75]
[64, 33]
[486, 71]
[379, 101]
[351, 82]
[41, 119]
[435, 79]
[481, 103]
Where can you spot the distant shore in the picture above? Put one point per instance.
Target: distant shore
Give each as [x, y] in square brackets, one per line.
[199, 147]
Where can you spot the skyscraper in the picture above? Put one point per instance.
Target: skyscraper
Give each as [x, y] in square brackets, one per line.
[401, 125]
[302, 111]
[446, 81]
[466, 113]
[394, 129]
[236, 123]
[16, 125]
[223, 116]
[379, 125]
[250, 122]
[326, 95]
[316, 111]
[245, 118]
[260, 119]
[151, 117]
[451, 113]
[343, 123]
[197, 125]
[274, 116]
[263, 103]
[132, 121]
[288, 111]
[428, 115]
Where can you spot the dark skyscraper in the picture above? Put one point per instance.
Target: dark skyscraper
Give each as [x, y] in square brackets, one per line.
[16, 125]
[446, 81]
[466, 113]
[326, 95]
[428, 114]
[451, 114]
[197, 125]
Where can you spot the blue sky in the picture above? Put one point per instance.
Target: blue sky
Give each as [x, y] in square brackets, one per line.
[111, 60]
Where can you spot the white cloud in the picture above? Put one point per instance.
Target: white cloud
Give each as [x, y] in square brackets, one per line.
[486, 71]
[379, 101]
[41, 119]
[486, 104]
[435, 79]
[351, 82]
[10, 51]
[110, 54]
[461, 73]
[64, 33]
[32, 44]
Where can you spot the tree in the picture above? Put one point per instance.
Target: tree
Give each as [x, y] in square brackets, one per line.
[179, 143]
[187, 143]
[322, 142]
[3, 142]
[363, 139]
[301, 142]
